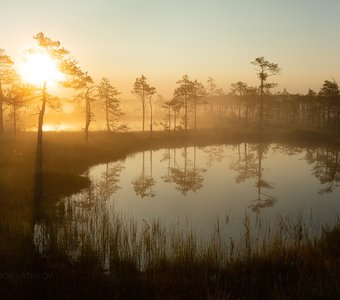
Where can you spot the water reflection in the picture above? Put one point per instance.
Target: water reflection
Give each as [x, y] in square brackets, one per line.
[109, 180]
[249, 164]
[186, 177]
[190, 188]
[144, 183]
[215, 153]
[325, 167]
[40, 233]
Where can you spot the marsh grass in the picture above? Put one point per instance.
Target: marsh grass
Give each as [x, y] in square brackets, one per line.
[111, 256]
[282, 259]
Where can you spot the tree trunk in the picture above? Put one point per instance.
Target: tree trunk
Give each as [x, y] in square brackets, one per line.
[195, 114]
[169, 119]
[246, 114]
[1, 110]
[143, 109]
[41, 115]
[261, 104]
[14, 120]
[88, 116]
[150, 103]
[107, 115]
[186, 113]
[175, 121]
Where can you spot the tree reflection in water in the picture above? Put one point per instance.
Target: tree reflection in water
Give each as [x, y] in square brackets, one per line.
[40, 229]
[89, 222]
[215, 153]
[325, 167]
[245, 164]
[144, 183]
[189, 177]
[108, 183]
[249, 165]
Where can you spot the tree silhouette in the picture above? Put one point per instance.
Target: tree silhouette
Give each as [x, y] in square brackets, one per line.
[108, 95]
[265, 69]
[17, 98]
[175, 106]
[151, 92]
[183, 94]
[330, 93]
[197, 93]
[53, 50]
[166, 112]
[212, 91]
[83, 82]
[239, 89]
[7, 75]
[86, 85]
[143, 90]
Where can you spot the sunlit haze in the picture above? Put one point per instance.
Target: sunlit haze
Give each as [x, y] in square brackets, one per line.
[39, 67]
[170, 149]
[165, 39]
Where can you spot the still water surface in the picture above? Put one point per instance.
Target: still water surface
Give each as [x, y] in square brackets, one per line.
[203, 183]
[204, 189]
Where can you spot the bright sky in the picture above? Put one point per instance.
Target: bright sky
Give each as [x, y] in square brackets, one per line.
[165, 39]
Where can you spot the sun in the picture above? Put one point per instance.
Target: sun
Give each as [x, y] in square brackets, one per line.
[39, 67]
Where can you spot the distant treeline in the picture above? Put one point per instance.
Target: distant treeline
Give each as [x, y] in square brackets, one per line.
[192, 105]
[312, 110]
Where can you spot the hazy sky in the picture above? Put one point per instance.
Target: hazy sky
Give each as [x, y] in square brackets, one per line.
[164, 39]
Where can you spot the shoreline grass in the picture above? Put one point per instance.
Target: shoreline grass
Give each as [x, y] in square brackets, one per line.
[309, 269]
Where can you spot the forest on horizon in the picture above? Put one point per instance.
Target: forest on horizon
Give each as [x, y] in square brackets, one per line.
[193, 105]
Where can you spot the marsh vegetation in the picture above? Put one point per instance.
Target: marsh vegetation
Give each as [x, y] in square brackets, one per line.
[103, 231]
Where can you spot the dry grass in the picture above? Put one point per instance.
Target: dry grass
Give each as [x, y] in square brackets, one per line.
[149, 260]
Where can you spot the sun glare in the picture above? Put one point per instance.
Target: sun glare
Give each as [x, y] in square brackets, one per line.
[40, 67]
[57, 127]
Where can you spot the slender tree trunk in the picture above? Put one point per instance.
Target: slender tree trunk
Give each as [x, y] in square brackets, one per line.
[247, 112]
[195, 114]
[261, 104]
[88, 116]
[14, 120]
[41, 115]
[1, 110]
[107, 115]
[259, 172]
[150, 103]
[143, 110]
[337, 114]
[186, 113]
[175, 119]
[328, 112]
[169, 119]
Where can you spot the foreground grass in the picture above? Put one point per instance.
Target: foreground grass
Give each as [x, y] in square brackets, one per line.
[302, 269]
[308, 269]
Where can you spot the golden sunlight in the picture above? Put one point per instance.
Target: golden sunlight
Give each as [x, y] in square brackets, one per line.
[40, 67]
[57, 127]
